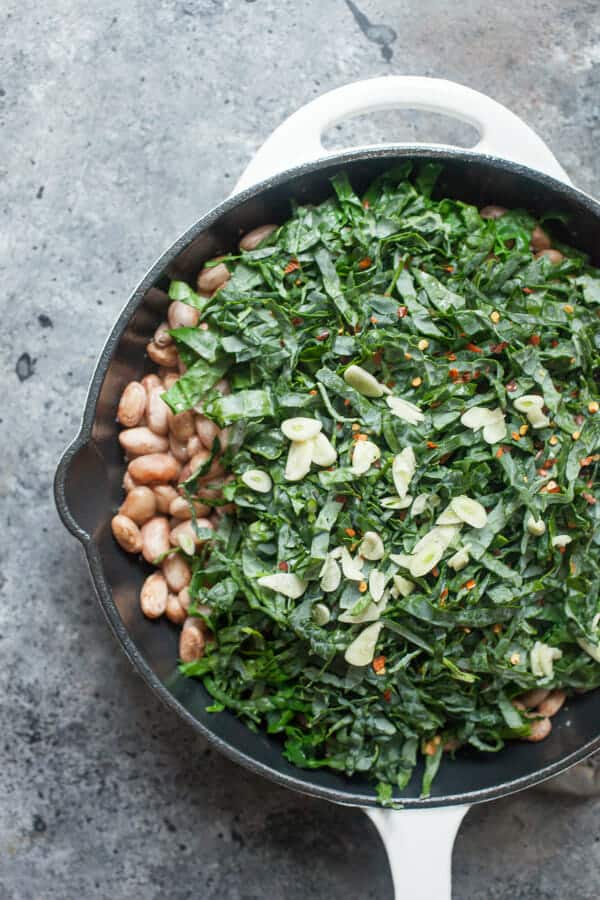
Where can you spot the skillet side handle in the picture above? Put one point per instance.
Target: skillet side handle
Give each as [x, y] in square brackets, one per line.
[299, 138]
[80, 488]
[419, 846]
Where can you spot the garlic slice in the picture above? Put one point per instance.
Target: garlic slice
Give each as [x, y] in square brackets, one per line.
[396, 502]
[298, 460]
[402, 586]
[370, 614]
[257, 480]
[542, 658]
[426, 558]
[362, 649]
[403, 469]
[536, 527]
[371, 546]
[592, 650]
[405, 410]
[531, 405]
[363, 382]
[321, 614]
[364, 455]
[400, 559]
[330, 575]
[376, 584]
[469, 511]
[423, 502]
[323, 451]
[448, 517]
[561, 540]
[300, 428]
[460, 558]
[352, 568]
[491, 420]
[284, 583]
[441, 534]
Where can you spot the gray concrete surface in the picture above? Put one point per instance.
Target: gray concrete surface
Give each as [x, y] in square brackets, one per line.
[120, 123]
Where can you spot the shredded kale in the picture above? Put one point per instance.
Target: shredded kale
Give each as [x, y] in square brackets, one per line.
[449, 311]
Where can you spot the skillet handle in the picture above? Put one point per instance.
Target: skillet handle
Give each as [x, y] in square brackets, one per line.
[501, 133]
[419, 846]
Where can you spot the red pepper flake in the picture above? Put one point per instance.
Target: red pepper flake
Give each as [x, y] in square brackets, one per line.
[589, 498]
[535, 340]
[387, 695]
[554, 343]
[297, 321]
[323, 336]
[498, 348]
[379, 665]
[500, 452]
[350, 532]
[432, 445]
[444, 593]
[435, 571]
[366, 204]
[588, 460]
[203, 326]
[549, 463]
[283, 566]
[555, 489]
[451, 357]
[377, 357]
[454, 374]
[474, 348]
[444, 459]
[357, 329]
[527, 291]
[365, 263]
[562, 549]
[373, 320]
[470, 584]
[402, 311]
[512, 386]
[313, 393]
[291, 266]
[346, 402]
[449, 268]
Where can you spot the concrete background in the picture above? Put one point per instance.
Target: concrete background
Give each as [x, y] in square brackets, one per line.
[120, 123]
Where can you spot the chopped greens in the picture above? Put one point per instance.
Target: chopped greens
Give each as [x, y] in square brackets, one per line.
[406, 329]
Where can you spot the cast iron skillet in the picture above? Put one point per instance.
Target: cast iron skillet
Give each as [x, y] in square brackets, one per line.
[88, 480]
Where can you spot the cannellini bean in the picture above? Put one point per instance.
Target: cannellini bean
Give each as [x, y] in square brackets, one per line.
[553, 256]
[492, 212]
[540, 729]
[128, 483]
[212, 278]
[191, 640]
[181, 509]
[132, 405]
[184, 598]
[540, 240]
[181, 425]
[179, 450]
[187, 529]
[177, 572]
[162, 356]
[206, 430]
[153, 596]
[170, 380]
[157, 412]
[126, 533]
[139, 504]
[175, 612]
[194, 445]
[223, 387]
[141, 440]
[151, 381]
[224, 438]
[155, 538]
[199, 459]
[253, 238]
[181, 367]
[155, 467]
[533, 698]
[182, 315]
[162, 338]
[224, 510]
[553, 702]
[165, 494]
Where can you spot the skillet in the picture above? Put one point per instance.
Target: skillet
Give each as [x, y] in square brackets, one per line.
[510, 166]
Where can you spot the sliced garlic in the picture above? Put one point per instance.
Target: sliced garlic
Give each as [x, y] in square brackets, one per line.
[542, 658]
[402, 586]
[364, 455]
[362, 649]
[491, 420]
[592, 650]
[396, 502]
[363, 382]
[494, 432]
[321, 614]
[370, 614]
[531, 405]
[469, 511]
[376, 584]
[460, 558]
[425, 559]
[448, 517]
[298, 460]
[323, 451]
[561, 540]
[284, 583]
[538, 419]
[400, 559]
[371, 546]
[423, 502]
[440, 534]
[536, 527]
[330, 575]
[352, 568]
[257, 480]
[300, 428]
[405, 410]
[403, 469]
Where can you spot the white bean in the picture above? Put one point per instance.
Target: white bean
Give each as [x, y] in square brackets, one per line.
[155, 538]
[157, 412]
[126, 533]
[139, 504]
[191, 641]
[162, 356]
[177, 572]
[142, 440]
[162, 338]
[154, 468]
[253, 238]
[182, 315]
[212, 278]
[165, 494]
[153, 596]
[132, 405]
[181, 425]
[175, 612]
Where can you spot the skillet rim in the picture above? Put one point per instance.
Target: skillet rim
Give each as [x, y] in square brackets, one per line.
[347, 795]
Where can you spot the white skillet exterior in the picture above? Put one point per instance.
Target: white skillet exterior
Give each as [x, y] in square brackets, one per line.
[418, 842]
